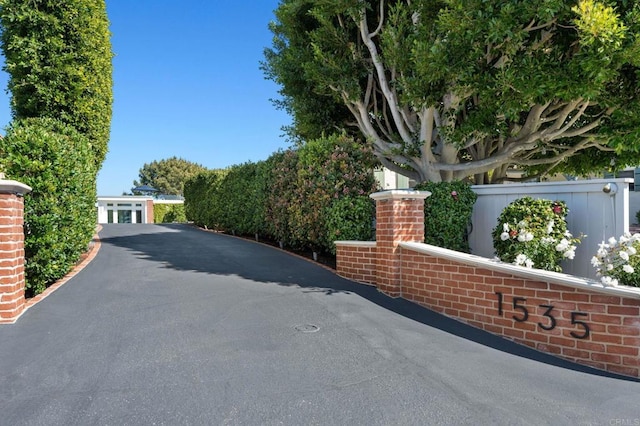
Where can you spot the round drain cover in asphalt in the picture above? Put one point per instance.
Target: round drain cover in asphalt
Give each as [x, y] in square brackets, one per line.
[307, 328]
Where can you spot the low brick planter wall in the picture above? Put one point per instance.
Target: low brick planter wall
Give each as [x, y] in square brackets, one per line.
[573, 318]
[577, 319]
[357, 261]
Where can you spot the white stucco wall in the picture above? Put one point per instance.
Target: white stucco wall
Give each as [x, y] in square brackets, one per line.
[118, 203]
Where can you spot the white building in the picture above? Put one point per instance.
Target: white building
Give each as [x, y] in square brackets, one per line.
[125, 209]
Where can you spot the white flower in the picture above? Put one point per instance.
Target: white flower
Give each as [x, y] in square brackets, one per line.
[612, 242]
[521, 259]
[528, 236]
[569, 254]
[547, 240]
[624, 255]
[624, 239]
[631, 250]
[504, 236]
[528, 263]
[628, 269]
[550, 226]
[505, 227]
[522, 237]
[563, 246]
[609, 267]
[522, 224]
[567, 234]
[609, 281]
[595, 262]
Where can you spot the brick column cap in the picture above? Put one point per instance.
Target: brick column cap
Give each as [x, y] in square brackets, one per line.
[396, 194]
[13, 187]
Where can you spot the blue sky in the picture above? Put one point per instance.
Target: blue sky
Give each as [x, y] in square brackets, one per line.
[187, 83]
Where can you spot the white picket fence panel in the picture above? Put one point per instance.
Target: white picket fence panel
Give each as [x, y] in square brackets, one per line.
[592, 212]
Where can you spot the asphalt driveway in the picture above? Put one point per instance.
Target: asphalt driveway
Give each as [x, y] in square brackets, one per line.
[171, 325]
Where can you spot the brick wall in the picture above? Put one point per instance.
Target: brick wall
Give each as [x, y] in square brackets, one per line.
[12, 301]
[357, 261]
[149, 207]
[573, 318]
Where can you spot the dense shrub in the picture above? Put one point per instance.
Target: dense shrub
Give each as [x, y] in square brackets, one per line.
[58, 56]
[328, 168]
[239, 198]
[281, 194]
[448, 213]
[290, 196]
[533, 233]
[350, 218]
[168, 213]
[199, 197]
[60, 216]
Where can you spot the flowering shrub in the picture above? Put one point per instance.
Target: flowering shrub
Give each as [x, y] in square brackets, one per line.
[533, 233]
[618, 262]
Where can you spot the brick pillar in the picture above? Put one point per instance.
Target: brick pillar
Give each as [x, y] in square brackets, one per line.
[149, 207]
[12, 301]
[399, 218]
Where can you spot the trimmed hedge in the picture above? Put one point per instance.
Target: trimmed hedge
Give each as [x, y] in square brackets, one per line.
[350, 218]
[60, 218]
[199, 197]
[448, 214]
[291, 196]
[168, 213]
[328, 169]
[58, 56]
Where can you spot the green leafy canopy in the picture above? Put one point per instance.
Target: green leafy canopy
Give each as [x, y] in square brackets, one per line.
[454, 89]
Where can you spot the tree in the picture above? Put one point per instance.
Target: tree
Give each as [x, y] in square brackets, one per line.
[58, 55]
[450, 89]
[168, 176]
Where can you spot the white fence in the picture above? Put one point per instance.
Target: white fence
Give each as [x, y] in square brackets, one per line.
[593, 212]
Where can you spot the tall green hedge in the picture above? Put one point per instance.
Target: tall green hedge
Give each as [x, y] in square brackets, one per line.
[199, 197]
[329, 168]
[60, 217]
[290, 197]
[58, 56]
[281, 194]
[239, 200]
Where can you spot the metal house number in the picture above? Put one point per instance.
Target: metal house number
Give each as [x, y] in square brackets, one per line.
[522, 315]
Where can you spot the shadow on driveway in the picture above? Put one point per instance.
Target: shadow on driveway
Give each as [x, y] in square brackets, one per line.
[186, 248]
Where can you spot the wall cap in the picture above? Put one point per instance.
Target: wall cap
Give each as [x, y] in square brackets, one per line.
[560, 187]
[521, 271]
[13, 187]
[367, 244]
[397, 194]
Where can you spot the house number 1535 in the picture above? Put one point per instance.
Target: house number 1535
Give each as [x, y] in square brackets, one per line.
[522, 315]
